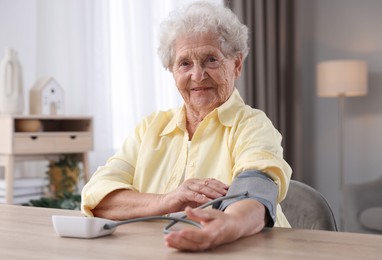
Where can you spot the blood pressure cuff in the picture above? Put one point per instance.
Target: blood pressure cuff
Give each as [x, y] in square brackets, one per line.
[259, 187]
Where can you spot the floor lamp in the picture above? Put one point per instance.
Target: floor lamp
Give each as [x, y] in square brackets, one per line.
[340, 79]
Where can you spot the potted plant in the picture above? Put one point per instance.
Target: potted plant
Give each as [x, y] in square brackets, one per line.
[63, 177]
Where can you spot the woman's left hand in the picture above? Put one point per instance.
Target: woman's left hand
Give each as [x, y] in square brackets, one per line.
[240, 219]
[217, 228]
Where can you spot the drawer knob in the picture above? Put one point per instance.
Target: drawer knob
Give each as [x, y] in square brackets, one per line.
[73, 137]
[34, 137]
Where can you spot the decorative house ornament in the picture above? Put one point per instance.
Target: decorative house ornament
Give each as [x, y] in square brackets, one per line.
[46, 97]
[11, 84]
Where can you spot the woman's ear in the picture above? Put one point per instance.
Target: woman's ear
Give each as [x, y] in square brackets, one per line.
[238, 65]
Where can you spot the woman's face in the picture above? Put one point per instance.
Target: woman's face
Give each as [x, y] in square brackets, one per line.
[203, 75]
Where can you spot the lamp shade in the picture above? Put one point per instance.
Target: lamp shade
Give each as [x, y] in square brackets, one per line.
[341, 78]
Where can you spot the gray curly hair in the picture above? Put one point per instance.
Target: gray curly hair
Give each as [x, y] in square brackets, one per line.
[203, 17]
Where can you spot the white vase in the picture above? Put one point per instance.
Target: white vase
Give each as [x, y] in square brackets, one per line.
[11, 84]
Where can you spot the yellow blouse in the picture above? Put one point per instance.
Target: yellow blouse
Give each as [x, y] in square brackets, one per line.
[158, 156]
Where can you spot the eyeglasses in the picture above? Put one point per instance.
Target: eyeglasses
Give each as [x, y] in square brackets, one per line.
[174, 220]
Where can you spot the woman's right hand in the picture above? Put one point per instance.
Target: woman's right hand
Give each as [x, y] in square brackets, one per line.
[193, 193]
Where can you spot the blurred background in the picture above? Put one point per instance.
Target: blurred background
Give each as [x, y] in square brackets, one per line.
[103, 54]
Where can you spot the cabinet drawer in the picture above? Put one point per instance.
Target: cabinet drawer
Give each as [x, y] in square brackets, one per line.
[74, 143]
[52, 143]
[33, 144]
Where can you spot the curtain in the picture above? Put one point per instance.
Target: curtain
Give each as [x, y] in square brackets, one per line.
[72, 46]
[139, 83]
[268, 81]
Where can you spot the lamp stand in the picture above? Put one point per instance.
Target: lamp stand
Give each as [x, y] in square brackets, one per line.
[341, 109]
[340, 78]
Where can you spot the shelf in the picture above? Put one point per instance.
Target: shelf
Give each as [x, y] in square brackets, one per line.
[52, 134]
[56, 124]
[22, 137]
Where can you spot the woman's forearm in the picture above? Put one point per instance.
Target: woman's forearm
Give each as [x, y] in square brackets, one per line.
[240, 219]
[251, 217]
[127, 204]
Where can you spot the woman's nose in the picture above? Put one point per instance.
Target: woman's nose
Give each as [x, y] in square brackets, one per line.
[198, 73]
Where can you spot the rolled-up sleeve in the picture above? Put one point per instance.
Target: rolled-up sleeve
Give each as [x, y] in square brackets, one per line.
[116, 174]
[259, 148]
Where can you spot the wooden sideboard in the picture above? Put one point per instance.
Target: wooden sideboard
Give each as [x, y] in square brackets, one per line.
[37, 137]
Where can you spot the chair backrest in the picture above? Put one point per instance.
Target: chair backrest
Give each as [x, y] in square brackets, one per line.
[306, 208]
[357, 199]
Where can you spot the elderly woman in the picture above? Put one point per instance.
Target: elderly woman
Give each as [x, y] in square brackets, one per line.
[214, 145]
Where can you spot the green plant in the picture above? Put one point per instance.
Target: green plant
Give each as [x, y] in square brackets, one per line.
[65, 201]
[63, 176]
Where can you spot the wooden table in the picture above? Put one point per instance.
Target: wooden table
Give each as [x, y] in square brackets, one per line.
[27, 233]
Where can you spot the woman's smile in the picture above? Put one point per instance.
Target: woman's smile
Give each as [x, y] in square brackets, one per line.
[204, 76]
